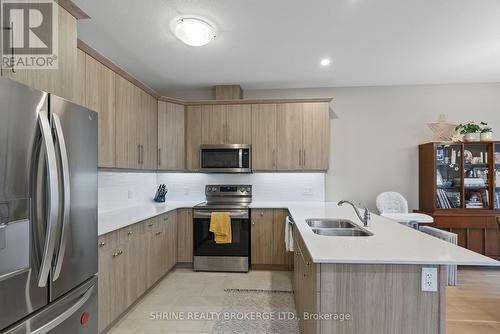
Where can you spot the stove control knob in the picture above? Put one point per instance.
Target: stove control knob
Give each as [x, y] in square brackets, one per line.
[248, 189]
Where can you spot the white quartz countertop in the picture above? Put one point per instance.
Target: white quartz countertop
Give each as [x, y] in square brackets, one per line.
[391, 243]
[114, 220]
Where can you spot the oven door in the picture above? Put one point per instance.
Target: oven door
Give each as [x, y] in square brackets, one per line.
[225, 158]
[203, 240]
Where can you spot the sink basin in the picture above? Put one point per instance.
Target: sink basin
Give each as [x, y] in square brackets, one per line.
[342, 232]
[331, 223]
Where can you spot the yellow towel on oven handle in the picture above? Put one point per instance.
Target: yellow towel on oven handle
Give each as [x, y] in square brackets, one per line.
[220, 225]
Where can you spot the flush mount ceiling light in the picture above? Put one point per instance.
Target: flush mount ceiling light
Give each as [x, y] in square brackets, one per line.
[194, 31]
[325, 62]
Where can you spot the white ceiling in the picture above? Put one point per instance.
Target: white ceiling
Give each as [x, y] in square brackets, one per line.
[278, 43]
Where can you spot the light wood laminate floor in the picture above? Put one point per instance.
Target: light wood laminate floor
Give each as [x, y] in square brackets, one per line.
[472, 307]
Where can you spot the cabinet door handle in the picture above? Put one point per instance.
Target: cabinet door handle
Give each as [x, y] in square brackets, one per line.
[102, 244]
[300, 157]
[115, 254]
[139, 154]
[159, 156]
[130, 233]
[274, 158]
[304, 158]
[158, 233]
[150, 225]
[253, 223]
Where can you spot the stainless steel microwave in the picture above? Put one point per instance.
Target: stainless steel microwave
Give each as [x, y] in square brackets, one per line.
[226, 158]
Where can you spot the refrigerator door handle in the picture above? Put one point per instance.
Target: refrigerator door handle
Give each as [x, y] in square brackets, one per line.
[53, 193]
[66, 195]
[66, 314]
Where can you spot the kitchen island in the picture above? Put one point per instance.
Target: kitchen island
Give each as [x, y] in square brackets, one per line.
[369, 284]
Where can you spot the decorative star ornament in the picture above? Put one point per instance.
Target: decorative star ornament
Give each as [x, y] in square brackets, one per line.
[442, 131]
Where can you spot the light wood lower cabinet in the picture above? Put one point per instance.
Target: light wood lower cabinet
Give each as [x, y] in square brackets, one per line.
[364, 293]
[305, 286]
[268, 238]
[131, 260]
[112, 279]
[185, 235]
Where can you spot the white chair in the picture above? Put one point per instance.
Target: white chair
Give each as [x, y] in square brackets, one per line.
[391, 202]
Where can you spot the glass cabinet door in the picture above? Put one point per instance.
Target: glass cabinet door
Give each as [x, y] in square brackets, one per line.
[476, 176]
[448, 176]
[496, 156]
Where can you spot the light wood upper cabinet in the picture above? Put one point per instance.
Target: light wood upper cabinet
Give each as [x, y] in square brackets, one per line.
[171, 151]
[100, 97]
[125, 132]
[147, 136]
[238, 124]
[58, 81]
[316, 136]
[136, 122]
[227, 124]
[213, 119]
[264, 141]
[80, 96]
[193, 136]
[289, 136]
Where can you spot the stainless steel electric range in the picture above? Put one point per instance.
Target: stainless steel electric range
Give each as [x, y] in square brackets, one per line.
[210, 256]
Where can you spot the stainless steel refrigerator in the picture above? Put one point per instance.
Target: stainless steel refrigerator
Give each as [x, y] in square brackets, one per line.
[48, 213]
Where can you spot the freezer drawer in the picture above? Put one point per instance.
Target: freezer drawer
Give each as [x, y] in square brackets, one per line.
[74, 313]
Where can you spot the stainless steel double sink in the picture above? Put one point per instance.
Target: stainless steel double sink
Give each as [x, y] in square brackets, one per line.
[337, 228]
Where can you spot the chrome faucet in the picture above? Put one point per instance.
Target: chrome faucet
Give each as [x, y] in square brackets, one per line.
[366, 216]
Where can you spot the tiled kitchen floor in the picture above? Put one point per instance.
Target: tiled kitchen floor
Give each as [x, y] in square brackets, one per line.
[472, 306]
[186, 291]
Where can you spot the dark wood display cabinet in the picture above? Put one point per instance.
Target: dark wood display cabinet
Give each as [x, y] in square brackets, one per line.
[459, 185]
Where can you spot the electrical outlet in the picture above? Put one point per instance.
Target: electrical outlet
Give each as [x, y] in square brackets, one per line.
[429, 279]
[307, 192]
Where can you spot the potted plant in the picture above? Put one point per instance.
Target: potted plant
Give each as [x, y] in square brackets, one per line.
[486, 132]
[471, 131]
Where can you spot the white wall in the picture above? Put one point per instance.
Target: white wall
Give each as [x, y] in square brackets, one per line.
[375, 137]
[377, 130]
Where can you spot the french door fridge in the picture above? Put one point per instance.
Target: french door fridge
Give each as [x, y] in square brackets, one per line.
[48, 213]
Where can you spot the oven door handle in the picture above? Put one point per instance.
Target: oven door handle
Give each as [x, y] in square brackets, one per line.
[208, 214]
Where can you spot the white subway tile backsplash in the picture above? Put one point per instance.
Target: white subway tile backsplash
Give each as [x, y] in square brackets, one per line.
[119, 190]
